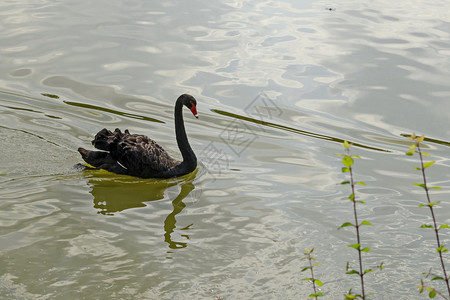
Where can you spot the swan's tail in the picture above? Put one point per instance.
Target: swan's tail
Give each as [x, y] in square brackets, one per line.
[94, 158]
[107, 141]
[102, 160]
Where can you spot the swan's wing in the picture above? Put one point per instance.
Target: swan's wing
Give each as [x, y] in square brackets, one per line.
[139, 152]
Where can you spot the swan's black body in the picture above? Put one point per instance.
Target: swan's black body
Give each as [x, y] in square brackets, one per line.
[138, 155]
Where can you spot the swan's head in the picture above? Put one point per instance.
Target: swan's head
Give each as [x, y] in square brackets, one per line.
[190, 103]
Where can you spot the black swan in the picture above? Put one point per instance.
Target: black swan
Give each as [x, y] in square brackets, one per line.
[138, 155]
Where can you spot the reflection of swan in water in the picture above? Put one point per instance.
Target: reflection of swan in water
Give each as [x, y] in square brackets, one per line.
[170, 221]
[113, 194]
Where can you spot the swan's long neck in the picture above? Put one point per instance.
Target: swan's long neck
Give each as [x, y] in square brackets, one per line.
[189, 158]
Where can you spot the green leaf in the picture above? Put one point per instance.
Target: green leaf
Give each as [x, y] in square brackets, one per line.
[427, 226]
[345, 182]
[305, 268]
[421, 287]
[355, 156]
[432, 294]
[441, 249]
[367, 249]
[435, 188]
[362, 202]
[420, 139]
[428, 164]
[319, 294]
[352, 272]
[346, 145]
[425, 153]
[346, 224]
[315, 265]
[420, 184]
[360, 183]
[366, 223]
[367, 271]
[347, 161]
[352, 197]
[437, 278]
[318, 282]
[345, 170]
[444, 226]
[412, 137]
[417, 169]
[410, 152]
[356, 246]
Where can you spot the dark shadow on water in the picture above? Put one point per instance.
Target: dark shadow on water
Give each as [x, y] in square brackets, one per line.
[294, 130]
[321, 136]
[113, 194]
[94, 92]
[430, 140]
[112, 111]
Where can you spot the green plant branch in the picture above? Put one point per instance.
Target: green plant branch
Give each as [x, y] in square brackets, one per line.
[440, 248]
[347, 161]
[435, 227]
[357, 225]
[314, 281]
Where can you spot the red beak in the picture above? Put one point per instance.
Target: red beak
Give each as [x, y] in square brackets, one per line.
[194, 111]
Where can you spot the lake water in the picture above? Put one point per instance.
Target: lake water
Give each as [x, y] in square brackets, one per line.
[279, 86]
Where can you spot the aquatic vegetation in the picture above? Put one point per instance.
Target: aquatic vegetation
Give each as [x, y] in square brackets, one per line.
[315, 282]
[441, 249]
[348, 161]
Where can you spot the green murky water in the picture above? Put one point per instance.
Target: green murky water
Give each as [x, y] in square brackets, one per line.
[279, 86]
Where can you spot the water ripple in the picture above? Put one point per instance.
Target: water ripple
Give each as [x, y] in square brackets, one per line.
[267, 185]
